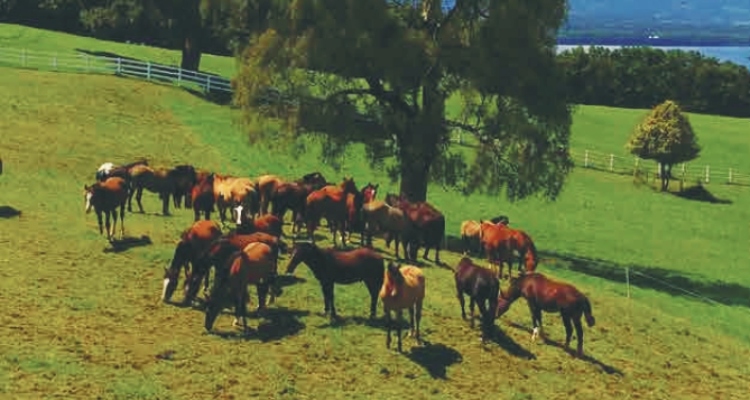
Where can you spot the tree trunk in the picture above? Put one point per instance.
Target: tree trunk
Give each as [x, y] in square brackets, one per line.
[414, 178]
[192, 34]
[191, 53]
[664, 173]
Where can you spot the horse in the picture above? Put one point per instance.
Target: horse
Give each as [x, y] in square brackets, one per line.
[253, 264]
[185, 177]
[482, 287]
[369, 192]
[500, 241]
[470, 230]
[217, 253]
[544, 294]
[108, 170]
[329, 202]
[193, 242]
[105, 197]
[427, 226]
[501, 219]
[403, 288]
[379, 215]
[340, 267]
[269, 223]
[156, 180]
[267, 185]
[230, 192]
[243, 195]
[202, 197]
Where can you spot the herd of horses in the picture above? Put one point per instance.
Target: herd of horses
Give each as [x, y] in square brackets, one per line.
[249, 250]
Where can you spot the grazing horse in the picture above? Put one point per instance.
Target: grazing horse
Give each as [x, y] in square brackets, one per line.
[217, 253]
[427, 226]
[193, 242]
[185, 177]
[482, 287]
[156, 180]
[329, 202]
[108, 170]
[202, 196]
[470, 231]
[270, 224]
[403, 288]
[544, 294]
[254, 264]
[343, 267]
[500, 241]
[105, 197]
[391, 220]
[267, 185]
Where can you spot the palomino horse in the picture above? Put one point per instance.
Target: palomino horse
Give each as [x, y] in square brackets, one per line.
[427, 226]
[470, 231]
[483, 288]
[243, 198]
[544, 294]
[218, 252]
[343, 267]
[156, 180]
[267, 185]
[254, 264]
[202, 195]
[193, 242]
[378, 215]
[403, 288]
[329, 202]
[500, 241]
[105, 197]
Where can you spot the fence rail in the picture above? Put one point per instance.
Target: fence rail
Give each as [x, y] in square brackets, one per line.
[121, 66]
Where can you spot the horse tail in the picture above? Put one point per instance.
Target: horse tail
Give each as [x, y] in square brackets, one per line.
[590, 320]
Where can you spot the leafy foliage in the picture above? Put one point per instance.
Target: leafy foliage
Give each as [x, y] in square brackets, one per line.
[665, 135]
[379, 72]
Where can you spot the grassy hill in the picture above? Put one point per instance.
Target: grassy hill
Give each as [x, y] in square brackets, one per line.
[83, 321]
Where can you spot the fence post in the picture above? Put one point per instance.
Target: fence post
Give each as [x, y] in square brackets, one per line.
[730, 176]
[611, 162]
[179, 75]
[627, 280]
[635, 170]
[148, 70]
[208, 84]
[586, 159]
[119, 66]
[708, 174]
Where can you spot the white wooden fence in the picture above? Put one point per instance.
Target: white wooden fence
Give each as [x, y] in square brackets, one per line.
[122, 66]
[689, 172]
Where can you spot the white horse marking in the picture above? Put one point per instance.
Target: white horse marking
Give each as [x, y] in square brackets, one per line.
[89, 195]
[535, 334]
[164, 289]
[238, 210]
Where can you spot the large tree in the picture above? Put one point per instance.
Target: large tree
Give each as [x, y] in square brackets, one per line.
[666, 136]
[382, 72]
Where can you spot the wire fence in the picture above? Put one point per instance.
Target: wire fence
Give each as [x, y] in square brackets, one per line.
[121, 66]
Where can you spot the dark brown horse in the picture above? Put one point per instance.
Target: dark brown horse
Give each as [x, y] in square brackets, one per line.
[427, 226]
[482, 287]
[202, 195]
[293, 195]
[270, 224]
[340, 267]
[544, 294]
[156, 180]
[329, 202]
[105, 197]
[193, 242]
[185, 177]
[254, 264]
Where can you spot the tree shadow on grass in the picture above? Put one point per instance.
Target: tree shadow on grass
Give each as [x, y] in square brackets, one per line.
[700, 193]
[126, 243]
[604, 367]
[9, 212]
[667, 281]
[276, 323]
[435, 358]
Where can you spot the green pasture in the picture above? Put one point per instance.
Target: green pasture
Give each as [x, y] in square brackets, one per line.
[84, 321]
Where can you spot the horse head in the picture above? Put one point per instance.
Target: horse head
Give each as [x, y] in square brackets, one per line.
[301, 252]
[348, 186]
[88, 194]
[369, 192]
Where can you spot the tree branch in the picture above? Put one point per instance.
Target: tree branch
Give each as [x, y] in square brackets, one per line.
[390, 97]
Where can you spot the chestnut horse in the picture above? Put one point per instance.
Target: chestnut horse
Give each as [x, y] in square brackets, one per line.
[293, 195]
[482, 287]
[343, 267]
[427, 226]
[193, 242]
[267, 185]
[202, 197]
[270, 224]
[544, 294]
[329, 202]
[500, 241]
[105, 197]
[253, 264]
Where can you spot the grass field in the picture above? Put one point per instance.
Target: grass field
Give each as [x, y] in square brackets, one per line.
[83, 321]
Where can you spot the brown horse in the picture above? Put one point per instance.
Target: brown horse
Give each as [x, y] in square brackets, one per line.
[108, 170]
[254, 264]
[270, 224]
[403, 288]
[202, 196]
[329, 202]
[470, 231]
[500, 242]
[156, 180]
[427, 226]
[105, 197]
[293, 195]
[343, 267]
[185, 177]
[544, 294]
[483, 289]
[243, 199]
[378, 215]
[193, 242]
[267, 185]
[218, 252]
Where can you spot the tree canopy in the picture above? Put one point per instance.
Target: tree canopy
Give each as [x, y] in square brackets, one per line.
[381, 73]
[666, 136]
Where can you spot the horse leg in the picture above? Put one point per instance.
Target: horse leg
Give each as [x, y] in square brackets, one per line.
[109, 233]
[99, 220]
[327, 289]
[568, 329]
[534, 313]
[396, 239]
[374, 290]
[579, 334]
[412, 332]
[122, 220]
[472, 302]
[417, 320]
[262, 294]
[114, 221]
[399, 317]
[138, 197]
[461, 301]
[483, 315]
[388, 328]
[165, 203]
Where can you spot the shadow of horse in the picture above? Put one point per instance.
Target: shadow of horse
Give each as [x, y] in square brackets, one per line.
[276, 324]
[9, 212]
[506, 343]
[127, 242]
[608, 369]
[435, 358]
[663, 280]
[700, 193]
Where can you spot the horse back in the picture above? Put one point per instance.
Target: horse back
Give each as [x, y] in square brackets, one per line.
[260, 261]
[358, 264]
[202, 230]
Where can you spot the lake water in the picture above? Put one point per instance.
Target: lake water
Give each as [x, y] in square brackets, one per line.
[737, 55]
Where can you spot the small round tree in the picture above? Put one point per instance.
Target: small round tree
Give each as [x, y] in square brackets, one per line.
[665, 136]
